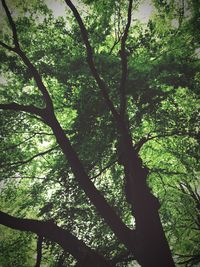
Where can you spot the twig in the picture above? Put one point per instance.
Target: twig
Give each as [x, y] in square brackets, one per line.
[104, 169]
[18, 163]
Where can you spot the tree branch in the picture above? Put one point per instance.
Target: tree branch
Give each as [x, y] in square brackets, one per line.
[25, 59]
[51, 231]
[24, 177]
[90, 60]
[19, 107]
[122, 232]
[39, 251]
[104, 169]
[190, 259]
[6, 46]
[12, 24]
[125, 257]
[113, 46]
[124, 63]
[18, 163]
[149, 137]
[16, 145]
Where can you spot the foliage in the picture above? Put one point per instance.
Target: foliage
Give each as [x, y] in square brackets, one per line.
[163, 108]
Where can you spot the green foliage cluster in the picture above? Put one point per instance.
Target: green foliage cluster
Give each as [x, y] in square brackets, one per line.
[163, 106]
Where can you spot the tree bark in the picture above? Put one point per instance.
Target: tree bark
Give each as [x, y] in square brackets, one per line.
[152, 248]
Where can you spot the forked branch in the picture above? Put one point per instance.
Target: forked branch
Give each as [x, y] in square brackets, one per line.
[17, 49]
[102, 85]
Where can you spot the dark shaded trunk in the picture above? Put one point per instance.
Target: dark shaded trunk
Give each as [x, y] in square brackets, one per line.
[152, 246]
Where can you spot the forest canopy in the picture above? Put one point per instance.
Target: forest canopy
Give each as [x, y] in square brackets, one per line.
[99, 113]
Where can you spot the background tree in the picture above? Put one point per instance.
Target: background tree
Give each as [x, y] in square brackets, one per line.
[98, 106]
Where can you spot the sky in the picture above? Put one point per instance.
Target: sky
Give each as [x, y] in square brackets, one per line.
[59, 9]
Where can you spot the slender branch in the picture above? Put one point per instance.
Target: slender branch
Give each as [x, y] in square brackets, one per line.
[49, 230]
[39, 251]
[104, 169]
[30, 159]
[19, 107]
[12, 24]
[124, 63]
[149, 137]
[90, 60]
[114, 44]
[21, 143]
[164, 171]
[6, 46]
[17, 49]
[34, 133]
[193, 260]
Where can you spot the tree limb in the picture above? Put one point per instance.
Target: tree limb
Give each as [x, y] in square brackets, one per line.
[18, 163]
[19, 107]
[39, 251]
[124, 63]
[17, 49]
[122, 232]
[104, 169]
[12, 24]
[190, 260]
[125, 257]
[149, 137]
[51, 231]
[6, 46]
[24, 177]
[19, 144]
[90, 60]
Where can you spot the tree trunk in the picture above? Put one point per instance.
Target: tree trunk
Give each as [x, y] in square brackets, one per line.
[152, 249]
[152, 246]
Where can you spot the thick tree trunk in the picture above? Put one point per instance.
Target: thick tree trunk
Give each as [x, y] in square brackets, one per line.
[152, 247]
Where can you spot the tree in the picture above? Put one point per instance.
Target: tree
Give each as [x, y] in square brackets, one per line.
[104, 107]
